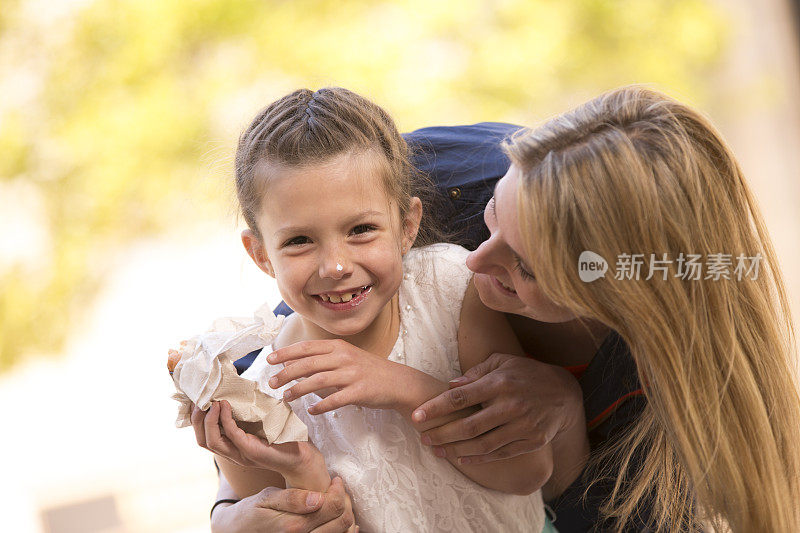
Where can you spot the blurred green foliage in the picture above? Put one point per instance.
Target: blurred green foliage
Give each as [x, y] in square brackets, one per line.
[127, 111]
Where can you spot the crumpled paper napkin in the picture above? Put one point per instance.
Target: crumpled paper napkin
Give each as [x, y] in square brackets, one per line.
[205, 373]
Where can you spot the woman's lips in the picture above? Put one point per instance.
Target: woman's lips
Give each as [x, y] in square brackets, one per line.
[502, 288]
[344, 306]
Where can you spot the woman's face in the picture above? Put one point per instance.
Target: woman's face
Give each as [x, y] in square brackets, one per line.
[505, 282]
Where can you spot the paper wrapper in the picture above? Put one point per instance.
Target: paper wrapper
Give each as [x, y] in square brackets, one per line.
[205, 373]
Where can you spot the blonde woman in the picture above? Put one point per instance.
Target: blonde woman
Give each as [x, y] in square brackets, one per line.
[711, 435]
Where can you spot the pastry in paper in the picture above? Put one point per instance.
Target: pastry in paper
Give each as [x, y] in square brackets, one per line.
[202, 370]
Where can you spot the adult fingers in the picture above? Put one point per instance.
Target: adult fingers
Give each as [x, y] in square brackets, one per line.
[477, 371]
[483, 444]
[453, 400]
[508, 451]
[337, 508]
[468, 427]
[301, 349]
[302, 368]
[323, 380]
[198, 418]
[294, 501]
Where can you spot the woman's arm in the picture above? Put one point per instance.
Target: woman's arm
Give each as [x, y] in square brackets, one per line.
[275, 509]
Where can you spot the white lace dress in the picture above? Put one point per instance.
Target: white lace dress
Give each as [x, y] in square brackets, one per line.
[396, 483]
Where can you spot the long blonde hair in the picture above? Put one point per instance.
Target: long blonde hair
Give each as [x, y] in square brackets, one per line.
[635, 172]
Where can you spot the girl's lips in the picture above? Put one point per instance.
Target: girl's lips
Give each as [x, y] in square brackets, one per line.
[501, 288]
[345, 306]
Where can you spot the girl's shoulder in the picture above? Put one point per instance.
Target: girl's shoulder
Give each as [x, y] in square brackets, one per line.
[436, 260]
[436, 277]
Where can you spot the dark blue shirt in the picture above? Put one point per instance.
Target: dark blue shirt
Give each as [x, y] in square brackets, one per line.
[465, 162]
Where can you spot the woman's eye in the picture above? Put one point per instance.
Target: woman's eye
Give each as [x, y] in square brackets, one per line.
[523, 272]
[297, 241]
[363, 228]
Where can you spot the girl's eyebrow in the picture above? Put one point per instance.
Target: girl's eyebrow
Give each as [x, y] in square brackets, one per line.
[293, 230]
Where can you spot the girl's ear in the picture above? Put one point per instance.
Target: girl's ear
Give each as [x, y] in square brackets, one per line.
[257, 252]
[411, 223]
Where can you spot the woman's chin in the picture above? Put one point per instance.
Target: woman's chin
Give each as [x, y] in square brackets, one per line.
[488, 294]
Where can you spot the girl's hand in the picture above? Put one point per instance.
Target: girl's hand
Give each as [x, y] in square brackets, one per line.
[524, 403]
[295, 461]
[359, 377]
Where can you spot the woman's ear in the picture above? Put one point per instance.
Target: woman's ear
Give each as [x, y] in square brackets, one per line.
[257, 252]
[411, 223]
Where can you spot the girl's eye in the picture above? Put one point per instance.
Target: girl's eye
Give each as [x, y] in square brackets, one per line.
[521, 269]
[363, 228]
[297, 241]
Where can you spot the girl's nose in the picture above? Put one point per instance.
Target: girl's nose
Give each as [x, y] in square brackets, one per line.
[335, 266]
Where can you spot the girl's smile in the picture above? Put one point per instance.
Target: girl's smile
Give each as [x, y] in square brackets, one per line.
[344, 300]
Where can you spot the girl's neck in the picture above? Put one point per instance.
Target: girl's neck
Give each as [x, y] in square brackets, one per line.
[378, 338]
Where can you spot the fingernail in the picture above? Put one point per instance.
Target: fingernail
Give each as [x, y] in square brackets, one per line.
[287, 395]
[418, 415]
[426, 440]
[455, 381]
[438, 451]
[271, 357]
[313, 499]
[273, 382]
[464, 460]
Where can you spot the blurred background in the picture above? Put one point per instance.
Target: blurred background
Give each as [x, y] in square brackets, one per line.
[118, 227]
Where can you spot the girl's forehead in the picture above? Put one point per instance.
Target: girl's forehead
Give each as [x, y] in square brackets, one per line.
[325, 192]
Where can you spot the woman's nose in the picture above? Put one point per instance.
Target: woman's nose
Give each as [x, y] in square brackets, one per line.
[335, 265]
[485, 258]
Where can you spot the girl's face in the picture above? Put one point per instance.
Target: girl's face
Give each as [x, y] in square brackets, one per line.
[333, 240]
[504, 281]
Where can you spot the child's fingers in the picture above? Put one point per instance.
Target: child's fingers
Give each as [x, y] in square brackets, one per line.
[303, 368]
[198, 418]
[301, 349]
[316, 382]
[214, 439]
[250, 447]
[334, 401]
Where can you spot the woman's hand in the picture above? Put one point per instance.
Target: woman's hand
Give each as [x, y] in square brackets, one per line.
[524, 405]
[277, 510]
[359, 377]
[300, 463]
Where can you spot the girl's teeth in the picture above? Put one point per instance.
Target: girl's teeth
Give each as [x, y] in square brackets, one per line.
[342, 297]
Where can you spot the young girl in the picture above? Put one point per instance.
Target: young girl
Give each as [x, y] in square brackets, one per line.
[327, 191]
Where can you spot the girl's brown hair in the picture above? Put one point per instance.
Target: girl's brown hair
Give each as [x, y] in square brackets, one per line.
[307, 127]
[634, 171]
